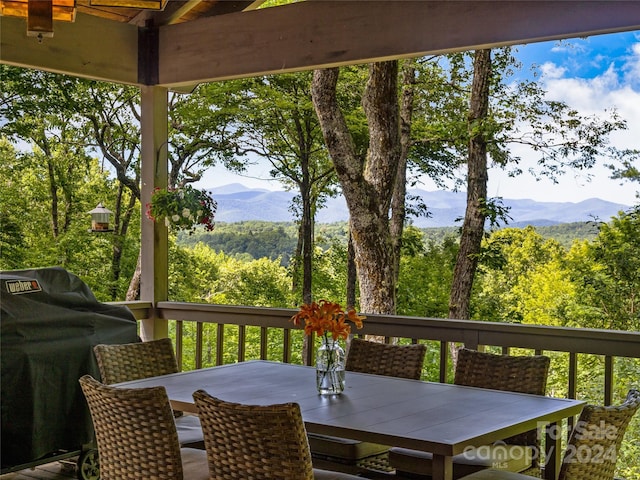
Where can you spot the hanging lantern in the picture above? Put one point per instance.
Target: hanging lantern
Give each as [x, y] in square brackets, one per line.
[100, 219]
[40, 14]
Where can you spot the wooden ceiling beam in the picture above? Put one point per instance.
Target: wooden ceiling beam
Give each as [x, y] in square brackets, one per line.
[327, 33]
[92, 47]
[307, 35]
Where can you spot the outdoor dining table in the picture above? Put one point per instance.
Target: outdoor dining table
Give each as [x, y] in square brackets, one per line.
[440, 418]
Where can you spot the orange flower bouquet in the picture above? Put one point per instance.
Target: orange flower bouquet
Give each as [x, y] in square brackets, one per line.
[331, 323]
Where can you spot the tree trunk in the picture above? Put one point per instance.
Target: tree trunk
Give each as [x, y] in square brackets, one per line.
[53, 191]
[351, 275]
[475, 214]
[307, 236]
[398, 203]
[121, 225]
[133, 293]
[297, 260]
[367, 184]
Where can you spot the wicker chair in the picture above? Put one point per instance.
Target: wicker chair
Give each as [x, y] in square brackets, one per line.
[593, 446]
[254, 441]
[133, 361]
[136, 435]
[522, 374]
[403, 361]
[354, 456]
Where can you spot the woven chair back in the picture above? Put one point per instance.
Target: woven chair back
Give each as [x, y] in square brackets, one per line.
[403, 361]
[595, 440]
[135, 432]
[133, 361]
[522, 374]
[251, 441]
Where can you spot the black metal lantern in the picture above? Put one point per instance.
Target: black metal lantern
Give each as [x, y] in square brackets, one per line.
[100, 219]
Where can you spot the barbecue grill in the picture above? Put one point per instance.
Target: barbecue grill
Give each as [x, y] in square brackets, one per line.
[50, 321]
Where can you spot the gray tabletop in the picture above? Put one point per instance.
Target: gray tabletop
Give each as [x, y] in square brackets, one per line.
[440, 418]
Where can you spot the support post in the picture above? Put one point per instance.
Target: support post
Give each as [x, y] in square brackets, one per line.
[154, 279]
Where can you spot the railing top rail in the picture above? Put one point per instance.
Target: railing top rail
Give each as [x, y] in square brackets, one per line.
[470, 332]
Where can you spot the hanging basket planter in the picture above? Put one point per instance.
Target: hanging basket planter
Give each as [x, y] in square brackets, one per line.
[182, 208]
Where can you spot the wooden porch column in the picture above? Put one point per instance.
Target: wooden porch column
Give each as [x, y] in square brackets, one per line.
[154, 280]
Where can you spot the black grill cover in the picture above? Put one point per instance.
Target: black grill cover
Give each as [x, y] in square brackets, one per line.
[50, 322]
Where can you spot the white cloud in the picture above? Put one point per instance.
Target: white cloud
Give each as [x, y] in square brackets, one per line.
[551, 70]
[617, 87]
[632, 67]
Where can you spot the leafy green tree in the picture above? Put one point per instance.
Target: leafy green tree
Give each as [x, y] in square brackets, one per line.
[477, 177]
[204, 131]
[255, 239]
[509, 260]
[260, 283]
[29, 240]
[66, 119]
[426, 273]
[33, 111]
[376, 163]
[547, 296]
[503, 114]
[283, 128]
[13, 245]
[626, 166]
[44, 112]
[199, 136]
[192, 272]
[607, 272]
[367, 180]
[427, 142]
[330, 272]
[106, 115]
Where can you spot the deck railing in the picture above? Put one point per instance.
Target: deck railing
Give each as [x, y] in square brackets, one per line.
[585, 363]
[566, 345]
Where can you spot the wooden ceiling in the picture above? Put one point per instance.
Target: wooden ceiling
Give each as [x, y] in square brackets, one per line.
[176, 11]
[194, 41]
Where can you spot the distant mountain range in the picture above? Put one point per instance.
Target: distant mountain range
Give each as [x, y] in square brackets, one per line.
[238, 203]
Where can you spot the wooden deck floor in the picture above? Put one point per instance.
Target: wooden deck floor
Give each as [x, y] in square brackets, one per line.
[48, 471]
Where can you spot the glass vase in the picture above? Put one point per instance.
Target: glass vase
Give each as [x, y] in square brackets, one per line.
[330, 367]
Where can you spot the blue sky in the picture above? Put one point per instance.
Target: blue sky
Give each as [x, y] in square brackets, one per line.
[592, 74]
[583, 57]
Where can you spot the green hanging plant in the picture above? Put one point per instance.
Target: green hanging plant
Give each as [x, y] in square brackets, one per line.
[182, 208]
